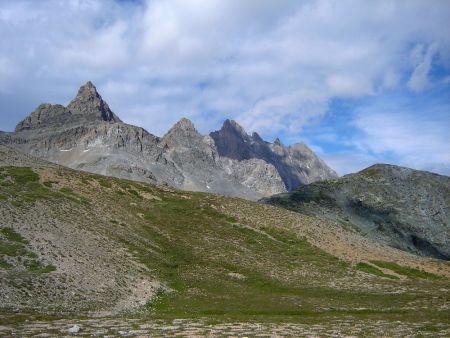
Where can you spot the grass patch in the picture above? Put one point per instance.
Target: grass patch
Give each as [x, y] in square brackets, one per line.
[49, 184]
[37, 267]
[12, 249]
[69, 193]
[4, 264]
[135, 193]
[16, 204]
[405, 271]
[12, 235]
[367, 268]
[194, 248]
[104, 182]
[66, 190]
[371, 172]
[21, 175]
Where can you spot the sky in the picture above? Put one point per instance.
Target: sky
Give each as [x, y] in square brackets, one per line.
[360, 82]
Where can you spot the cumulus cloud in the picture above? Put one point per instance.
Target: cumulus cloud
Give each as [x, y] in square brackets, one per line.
[275, 66]
[413, 134]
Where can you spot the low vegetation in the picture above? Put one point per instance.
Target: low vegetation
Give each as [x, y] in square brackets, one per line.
[367, 268]
[405, 271]
[210, 263]
[14, 247]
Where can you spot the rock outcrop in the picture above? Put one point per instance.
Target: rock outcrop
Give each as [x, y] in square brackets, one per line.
[405, 208]
[87, 135]
[296, 164]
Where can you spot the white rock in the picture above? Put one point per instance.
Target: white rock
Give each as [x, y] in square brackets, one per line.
[74, 329]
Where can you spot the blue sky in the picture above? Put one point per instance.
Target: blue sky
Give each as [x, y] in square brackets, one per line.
[360, 82]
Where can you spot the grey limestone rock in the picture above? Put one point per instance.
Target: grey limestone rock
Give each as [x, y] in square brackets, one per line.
[87, 135]
[405, 208]
[90, 104]
[296, 164]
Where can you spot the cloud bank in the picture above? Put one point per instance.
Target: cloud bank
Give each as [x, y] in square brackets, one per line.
[275, 66]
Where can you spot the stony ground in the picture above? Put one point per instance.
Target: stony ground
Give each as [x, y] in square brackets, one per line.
[114, 327]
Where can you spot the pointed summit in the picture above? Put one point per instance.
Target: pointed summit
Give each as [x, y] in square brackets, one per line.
[183, 124]
[277, 142]
[233, 126]
[182, 133]
[88, 102]
[232, 141]
[257, 138]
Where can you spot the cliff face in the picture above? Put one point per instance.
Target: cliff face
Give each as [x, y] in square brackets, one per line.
[87, 135]
[405, 208]
[296, 164]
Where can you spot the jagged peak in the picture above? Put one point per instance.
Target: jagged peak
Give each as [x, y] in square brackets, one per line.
[89, 102]
[44, 115]
[277, 142]
[182, 132]
[88, 90]
[234, 126]
[256, 137]
[184, 124]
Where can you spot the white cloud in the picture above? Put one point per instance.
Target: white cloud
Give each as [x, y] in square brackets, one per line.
[273, 65]
[106, 48]
[414, 136]
[346, 85]
[422, 60]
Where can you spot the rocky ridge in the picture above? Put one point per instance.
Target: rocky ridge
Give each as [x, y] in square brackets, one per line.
[405, 208]
[87, 135]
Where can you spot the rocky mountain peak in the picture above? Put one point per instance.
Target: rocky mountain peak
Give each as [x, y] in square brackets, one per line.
[87, 106]
[277, 142]
[44, 115]
[182, 133]
[184, 124]
[88, 102]
[232, 141]
[256, 137]
[233, 127]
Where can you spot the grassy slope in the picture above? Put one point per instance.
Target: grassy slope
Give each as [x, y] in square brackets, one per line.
[214, 265]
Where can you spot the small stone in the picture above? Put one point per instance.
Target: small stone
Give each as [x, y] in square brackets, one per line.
[74, 329]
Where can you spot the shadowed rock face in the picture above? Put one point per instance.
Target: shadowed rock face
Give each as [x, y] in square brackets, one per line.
[87, 135]
[405, 208]
[296, 164]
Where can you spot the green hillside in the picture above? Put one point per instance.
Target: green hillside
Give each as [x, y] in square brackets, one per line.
[74, 244]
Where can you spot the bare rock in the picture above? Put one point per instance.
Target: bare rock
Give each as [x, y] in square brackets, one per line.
[87, 135]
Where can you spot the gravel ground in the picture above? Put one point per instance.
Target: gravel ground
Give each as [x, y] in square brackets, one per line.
[113, 327]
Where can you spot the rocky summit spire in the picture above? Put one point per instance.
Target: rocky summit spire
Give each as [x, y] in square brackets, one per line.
[89, 103]
[232, 141]
[183, 124]
[277, 142]
[234, 127]
[182, 133]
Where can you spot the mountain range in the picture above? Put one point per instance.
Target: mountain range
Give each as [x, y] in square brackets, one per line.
[87, 135]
